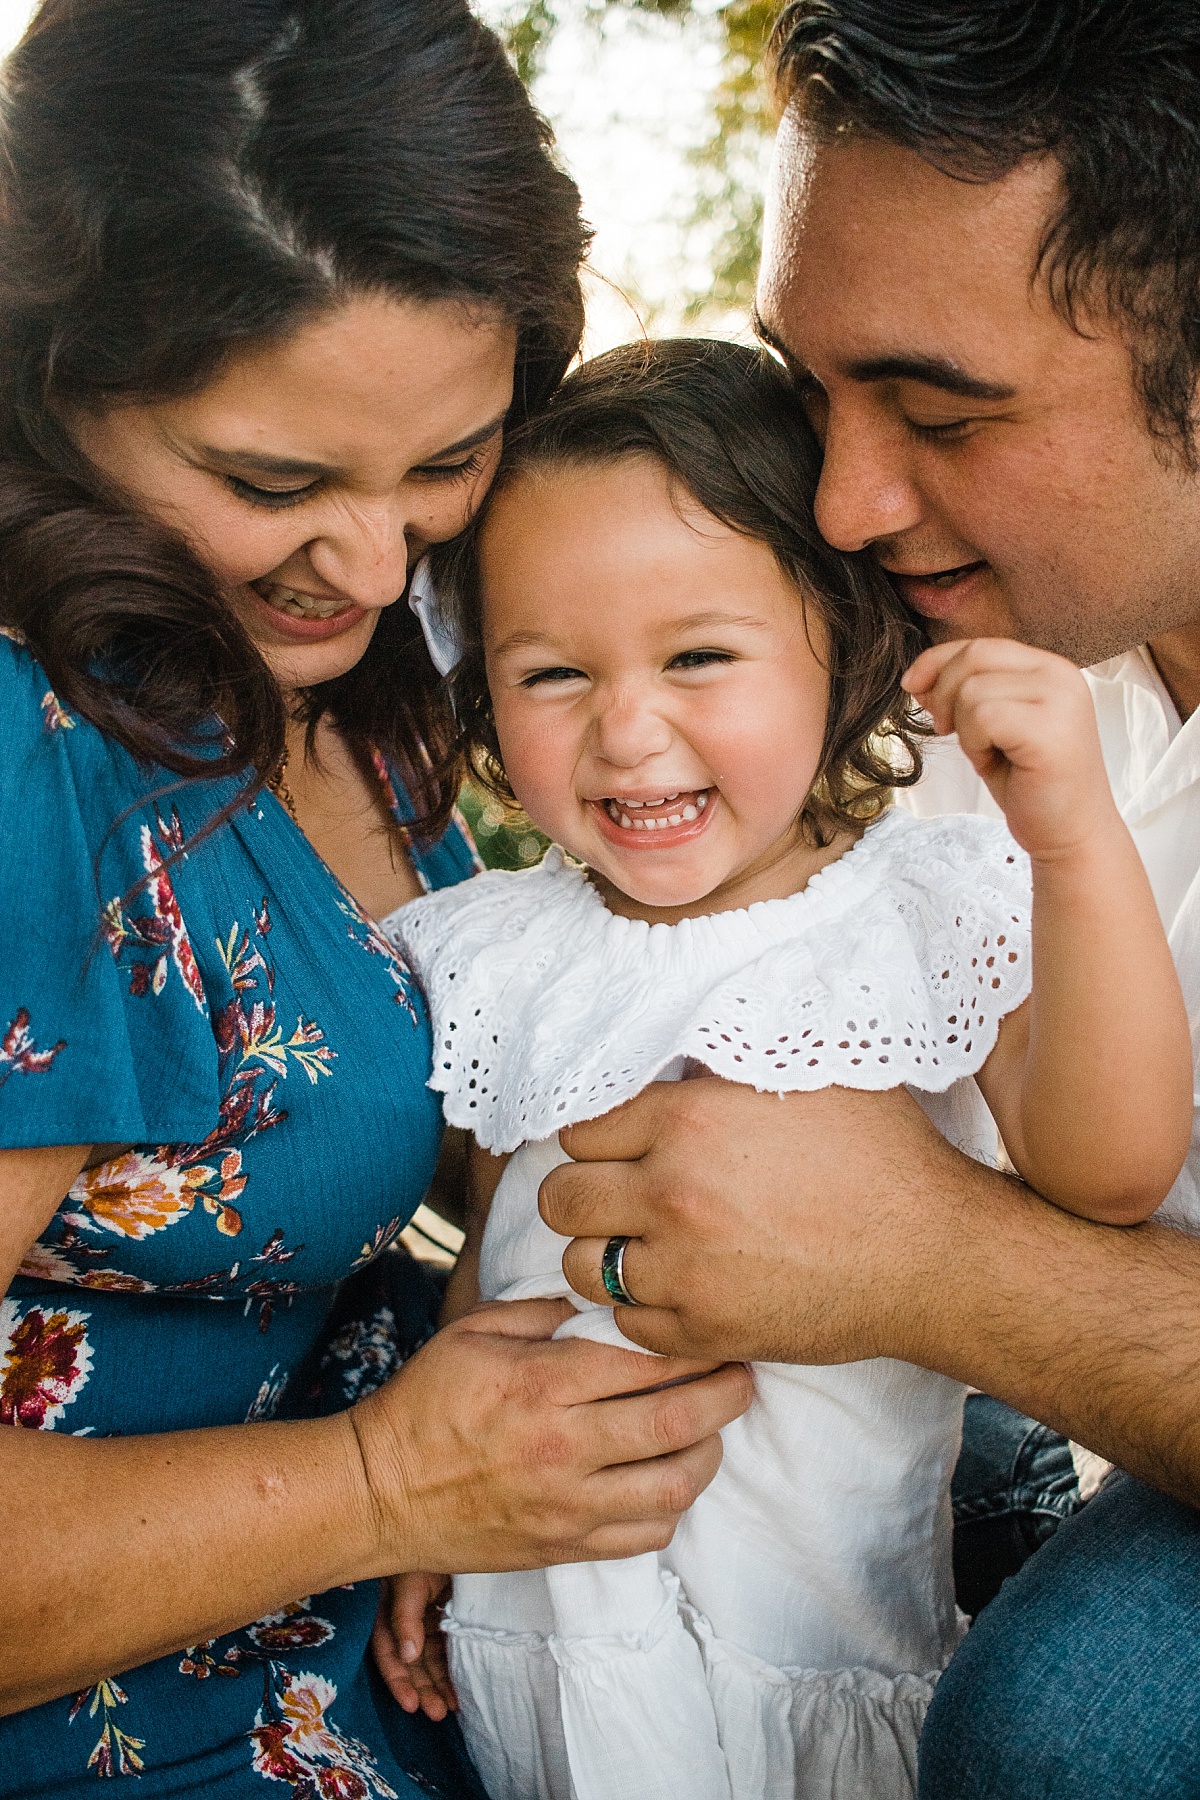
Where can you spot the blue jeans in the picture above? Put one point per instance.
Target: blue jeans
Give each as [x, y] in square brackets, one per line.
[1081, 1680]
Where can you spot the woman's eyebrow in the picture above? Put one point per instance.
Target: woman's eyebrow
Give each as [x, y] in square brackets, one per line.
[471, 441]
[263, 464]
[296, 468]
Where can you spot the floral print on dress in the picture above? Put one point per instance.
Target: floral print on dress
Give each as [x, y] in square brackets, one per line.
[55, 716]
[295, 1741]
[155, 939]
[19, 1055]
[115, 1751]
[148, 1189]
[45, 1358]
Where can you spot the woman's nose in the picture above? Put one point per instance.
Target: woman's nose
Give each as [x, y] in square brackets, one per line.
[866, 491]
[365, 553]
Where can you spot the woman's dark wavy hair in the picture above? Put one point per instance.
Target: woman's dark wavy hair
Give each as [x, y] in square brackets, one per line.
[180, 180]
[1109, 87]
[725, 423]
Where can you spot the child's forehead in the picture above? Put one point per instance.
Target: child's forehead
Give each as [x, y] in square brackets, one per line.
[615, 503]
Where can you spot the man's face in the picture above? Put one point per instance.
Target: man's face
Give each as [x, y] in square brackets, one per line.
[996, 461]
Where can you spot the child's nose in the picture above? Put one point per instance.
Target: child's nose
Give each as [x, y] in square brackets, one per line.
[627, 731]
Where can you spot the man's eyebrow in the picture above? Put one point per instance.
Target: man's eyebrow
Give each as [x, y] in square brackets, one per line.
[931, 371]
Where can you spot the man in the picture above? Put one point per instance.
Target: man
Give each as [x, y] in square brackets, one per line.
[983, 263]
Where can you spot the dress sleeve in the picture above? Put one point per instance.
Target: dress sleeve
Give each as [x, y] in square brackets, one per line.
[96, 1046]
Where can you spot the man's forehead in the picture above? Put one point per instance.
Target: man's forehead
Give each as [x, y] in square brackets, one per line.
[867, 243]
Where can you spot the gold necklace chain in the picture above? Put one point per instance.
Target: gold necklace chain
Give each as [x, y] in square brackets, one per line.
[282, 792]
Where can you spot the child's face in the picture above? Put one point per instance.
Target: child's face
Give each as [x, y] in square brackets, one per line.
[659, 705]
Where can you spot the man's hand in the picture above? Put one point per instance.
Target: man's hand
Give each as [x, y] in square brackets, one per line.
[796, 1228]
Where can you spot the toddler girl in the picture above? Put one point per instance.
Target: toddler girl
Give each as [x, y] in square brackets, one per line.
[700, 702]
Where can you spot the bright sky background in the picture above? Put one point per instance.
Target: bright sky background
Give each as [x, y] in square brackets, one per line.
[628, 94]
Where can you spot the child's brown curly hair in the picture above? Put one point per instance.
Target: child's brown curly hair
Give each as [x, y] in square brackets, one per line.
[726, 424]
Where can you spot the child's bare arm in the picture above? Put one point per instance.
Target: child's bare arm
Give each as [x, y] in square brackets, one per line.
[1091, 1080]
[483, 1178]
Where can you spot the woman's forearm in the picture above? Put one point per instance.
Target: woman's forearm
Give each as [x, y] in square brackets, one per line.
[120, 1550]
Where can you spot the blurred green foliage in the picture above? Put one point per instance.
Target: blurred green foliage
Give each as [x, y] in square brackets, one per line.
[505, 839]
[729, 162]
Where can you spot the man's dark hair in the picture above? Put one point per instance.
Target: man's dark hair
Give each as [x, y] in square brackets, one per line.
[1111, 88]
[725, 423]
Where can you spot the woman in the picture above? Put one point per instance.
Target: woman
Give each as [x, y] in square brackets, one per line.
[273, 277]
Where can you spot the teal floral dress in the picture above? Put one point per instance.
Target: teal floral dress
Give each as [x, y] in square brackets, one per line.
[247, 1030]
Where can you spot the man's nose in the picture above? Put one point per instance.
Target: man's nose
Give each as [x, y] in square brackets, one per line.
[365, 553]
[866, 491]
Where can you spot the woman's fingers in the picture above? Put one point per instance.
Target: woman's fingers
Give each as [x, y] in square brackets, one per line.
[641, 1427]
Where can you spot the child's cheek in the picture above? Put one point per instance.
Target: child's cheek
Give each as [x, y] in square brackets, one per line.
[536, 761]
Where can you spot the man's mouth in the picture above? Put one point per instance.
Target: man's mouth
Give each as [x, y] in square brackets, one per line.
[935, 593]
[660, 813]
[296, 604]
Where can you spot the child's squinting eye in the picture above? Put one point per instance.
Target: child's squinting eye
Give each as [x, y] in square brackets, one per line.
[700, 659]
[537, 677]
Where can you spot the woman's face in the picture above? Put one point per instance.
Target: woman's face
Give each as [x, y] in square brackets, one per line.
[313, 472]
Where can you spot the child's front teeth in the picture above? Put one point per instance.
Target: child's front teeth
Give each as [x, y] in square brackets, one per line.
[685, 815]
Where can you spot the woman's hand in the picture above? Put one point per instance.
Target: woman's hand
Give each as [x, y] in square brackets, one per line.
[410, 1651]
[495, 1448]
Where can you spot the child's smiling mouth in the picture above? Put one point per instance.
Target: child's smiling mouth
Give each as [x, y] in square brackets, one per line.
[656, 820]
[659, 814]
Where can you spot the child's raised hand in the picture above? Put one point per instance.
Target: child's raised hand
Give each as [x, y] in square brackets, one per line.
[410, 1652]
[1024, 719]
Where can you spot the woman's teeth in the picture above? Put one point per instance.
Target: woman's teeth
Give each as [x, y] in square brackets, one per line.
[296, 604]
[632, 815]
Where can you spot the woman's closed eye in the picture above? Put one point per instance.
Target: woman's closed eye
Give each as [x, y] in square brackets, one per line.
[463, 470]
[274, 499]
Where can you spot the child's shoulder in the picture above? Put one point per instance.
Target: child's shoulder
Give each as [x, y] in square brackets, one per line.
[496, 906]
[941, 855]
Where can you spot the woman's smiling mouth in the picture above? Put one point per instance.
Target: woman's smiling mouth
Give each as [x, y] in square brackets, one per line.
[301, 617]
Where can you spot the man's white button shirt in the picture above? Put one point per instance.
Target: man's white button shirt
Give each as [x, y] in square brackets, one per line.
[1153, 762]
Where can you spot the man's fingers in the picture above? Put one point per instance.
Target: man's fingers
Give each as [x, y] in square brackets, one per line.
[621, 1135]
[594, 1199]
[643, 1272]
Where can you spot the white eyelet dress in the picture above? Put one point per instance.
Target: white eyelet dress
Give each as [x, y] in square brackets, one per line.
[788, 1641]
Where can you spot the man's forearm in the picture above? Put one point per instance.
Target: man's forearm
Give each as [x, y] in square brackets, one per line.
[1093, 1329]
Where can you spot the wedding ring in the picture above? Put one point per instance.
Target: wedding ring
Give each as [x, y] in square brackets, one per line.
[612, 1271]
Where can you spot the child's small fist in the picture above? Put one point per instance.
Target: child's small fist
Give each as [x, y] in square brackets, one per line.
[410, 1651]
[1025, 721]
